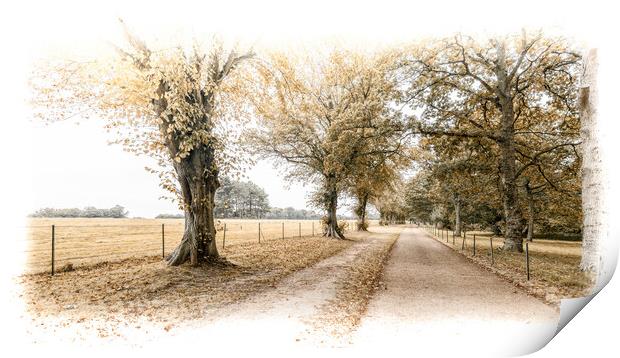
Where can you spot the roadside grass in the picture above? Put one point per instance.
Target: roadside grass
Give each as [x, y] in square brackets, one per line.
[554, 265]
[110, 293]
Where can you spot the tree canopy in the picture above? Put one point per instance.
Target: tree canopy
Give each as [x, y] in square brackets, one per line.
[457, 131]
[329, 118]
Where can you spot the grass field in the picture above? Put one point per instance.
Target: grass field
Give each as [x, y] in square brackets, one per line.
[87, 241]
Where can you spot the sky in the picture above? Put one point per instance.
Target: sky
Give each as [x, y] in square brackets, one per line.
[73, 165]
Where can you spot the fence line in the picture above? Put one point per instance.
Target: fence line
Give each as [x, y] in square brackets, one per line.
[438, 234]
[105, 241]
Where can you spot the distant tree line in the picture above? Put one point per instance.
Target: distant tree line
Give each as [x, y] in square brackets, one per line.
[292, 213]
[116, 211]
[170, 216]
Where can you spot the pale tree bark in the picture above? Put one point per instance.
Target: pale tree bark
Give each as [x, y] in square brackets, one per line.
[591, 167]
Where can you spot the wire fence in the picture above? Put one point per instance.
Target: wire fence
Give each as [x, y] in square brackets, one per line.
[60, 247]
[486, 246]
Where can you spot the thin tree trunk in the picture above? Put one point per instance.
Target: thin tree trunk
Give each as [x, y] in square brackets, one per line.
[457, 214]
[361, 212]
[591, 168]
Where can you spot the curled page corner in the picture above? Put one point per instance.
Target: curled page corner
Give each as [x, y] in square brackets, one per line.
[570, 307]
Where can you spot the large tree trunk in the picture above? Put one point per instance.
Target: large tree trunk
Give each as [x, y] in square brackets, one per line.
[457, 214]
[198, 182]
[513, 240]
[331, 197]
[360, 211]
[591, 168]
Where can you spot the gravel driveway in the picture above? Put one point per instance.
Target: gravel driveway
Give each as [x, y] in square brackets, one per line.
[438, 301]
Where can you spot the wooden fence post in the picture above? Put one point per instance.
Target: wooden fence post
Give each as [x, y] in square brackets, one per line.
[463, 244]
[527, 260]
[163, 255]
[53, 246]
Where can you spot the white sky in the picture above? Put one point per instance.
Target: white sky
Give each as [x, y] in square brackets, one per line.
[73, 166]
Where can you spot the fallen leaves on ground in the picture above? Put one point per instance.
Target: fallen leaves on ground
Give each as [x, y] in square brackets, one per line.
[145, 288]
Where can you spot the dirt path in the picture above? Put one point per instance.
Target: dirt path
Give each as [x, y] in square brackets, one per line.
[437, 300]
[289, 311]
[286, 316]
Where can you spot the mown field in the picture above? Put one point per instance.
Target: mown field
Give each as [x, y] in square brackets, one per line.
[82, 242]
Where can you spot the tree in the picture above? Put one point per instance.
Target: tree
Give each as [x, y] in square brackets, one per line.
[553, 184]
[592, 188]
[172, 104]
[374, 175]
[236, 199]
[392, 207]
[291, 213]
[323, 115]
[509, 92]
[418, 203]
[88, 212]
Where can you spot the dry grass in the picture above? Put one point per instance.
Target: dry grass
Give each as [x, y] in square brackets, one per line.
[554, 265]
[363, 277]
[137, 289]
[82, 242]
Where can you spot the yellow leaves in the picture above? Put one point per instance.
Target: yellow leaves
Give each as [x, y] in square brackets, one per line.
[159, 103]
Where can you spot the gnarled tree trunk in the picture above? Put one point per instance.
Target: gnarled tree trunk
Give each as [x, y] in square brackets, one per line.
[198, 182]
[360, 211]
